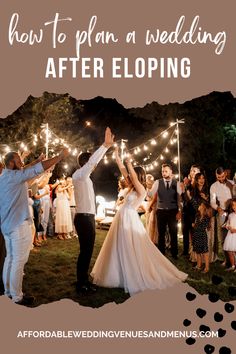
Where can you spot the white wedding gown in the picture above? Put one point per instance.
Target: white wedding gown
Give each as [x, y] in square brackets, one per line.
[128, 259]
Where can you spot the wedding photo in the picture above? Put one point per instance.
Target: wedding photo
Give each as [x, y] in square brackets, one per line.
[118, 177]
[100, 202]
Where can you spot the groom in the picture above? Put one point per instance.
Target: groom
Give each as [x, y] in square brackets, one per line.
[85, 210]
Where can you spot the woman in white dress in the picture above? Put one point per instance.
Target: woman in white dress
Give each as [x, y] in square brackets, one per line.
[128, 258]
[230, 240]
[63, 221]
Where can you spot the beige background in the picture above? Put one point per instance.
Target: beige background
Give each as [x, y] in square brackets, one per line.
[23, 66]
[22, 73]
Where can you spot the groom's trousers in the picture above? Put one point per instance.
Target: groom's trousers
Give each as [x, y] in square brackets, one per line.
[167, 217]
[85, 228]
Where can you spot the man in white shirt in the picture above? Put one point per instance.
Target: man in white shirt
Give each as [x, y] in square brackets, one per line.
[85, 210]
[16, 220]
[168, 208]
[220, 194]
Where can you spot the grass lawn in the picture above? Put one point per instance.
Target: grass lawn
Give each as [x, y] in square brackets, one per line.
[51, 272]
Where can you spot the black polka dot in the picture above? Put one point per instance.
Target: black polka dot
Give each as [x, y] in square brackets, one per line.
[221, 332]
[190, 296]
[224, 350]
[201, 313]
[190, 341]
[186, 322]
[204, 328]
[232, 291]
[209, 349]
[218, 317]
[229, 307]
[216, 280]
[233, 325]
[213, 297]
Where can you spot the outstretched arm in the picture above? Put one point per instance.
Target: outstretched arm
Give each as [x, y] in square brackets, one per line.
[39, 159]
[54, 160]
[134, 179]
[86, 170]
[120, 164]
[28, 173]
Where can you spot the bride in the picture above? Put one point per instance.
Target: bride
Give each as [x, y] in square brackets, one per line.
[128, 259]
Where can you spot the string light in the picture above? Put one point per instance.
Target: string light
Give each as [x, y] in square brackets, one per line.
[165, 134]
[141, 149]
[105, 160]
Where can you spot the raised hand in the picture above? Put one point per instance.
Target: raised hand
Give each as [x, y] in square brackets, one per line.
[109, 138]
[128, 160]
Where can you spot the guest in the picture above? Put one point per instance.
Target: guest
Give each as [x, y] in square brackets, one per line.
[188, 211]
[230, 240]
[122, 191]
[16, 221]
[221, 193]
[200, 239]
[151, 223]
[63, 221]
[45, 200]
[196, 196]
[71, 195]
[168, 208]
[85, 210]
[31, 210]
[38, 211]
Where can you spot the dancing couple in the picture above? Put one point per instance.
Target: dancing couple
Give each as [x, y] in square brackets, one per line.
[128, 259]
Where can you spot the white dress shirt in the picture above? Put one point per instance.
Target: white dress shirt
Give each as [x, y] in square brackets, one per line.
[14, 206]
[222, 193]
[155, 186]
[84, 192]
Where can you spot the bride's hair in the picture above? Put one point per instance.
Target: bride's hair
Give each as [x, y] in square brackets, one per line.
[141, 174]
